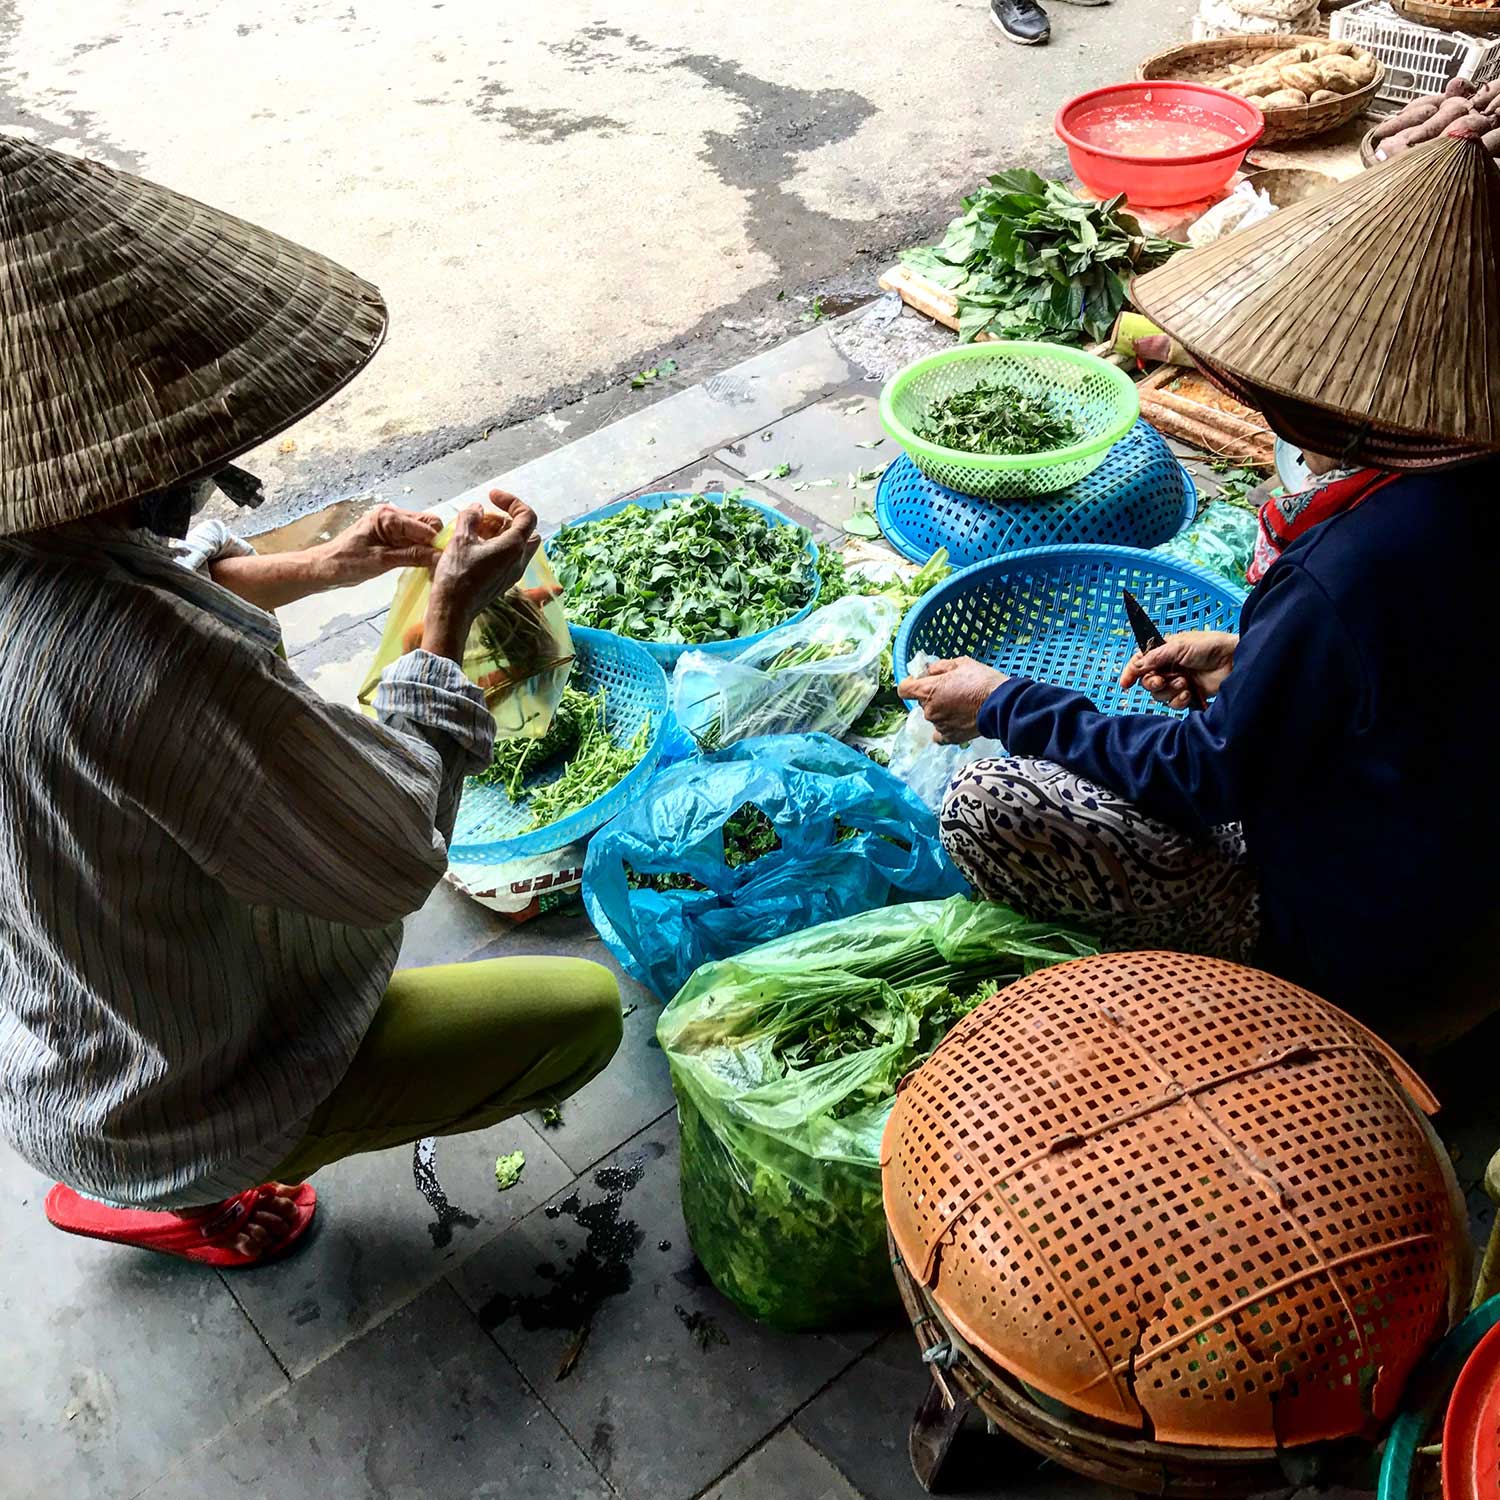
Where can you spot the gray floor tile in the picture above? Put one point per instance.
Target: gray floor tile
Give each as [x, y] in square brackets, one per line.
[635, 1089]
[787, 1468]
[819, 442]
[449, 929]
[116, 1360]
[861, 1424]
[336, 666]
[377, 1243]
[423, 1406]
[671, 1386]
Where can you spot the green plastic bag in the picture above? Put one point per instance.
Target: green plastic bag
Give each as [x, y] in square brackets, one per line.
[785, 1062]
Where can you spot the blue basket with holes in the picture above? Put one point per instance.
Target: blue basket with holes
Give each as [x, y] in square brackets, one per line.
[667, 652]
[1055, 614]
[492, 828]
[1140, 496]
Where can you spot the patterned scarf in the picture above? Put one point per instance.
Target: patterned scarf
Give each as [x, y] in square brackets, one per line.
[1286, 517]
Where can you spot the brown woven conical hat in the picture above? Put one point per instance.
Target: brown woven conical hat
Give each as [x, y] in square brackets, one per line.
[146, 338]
[1375, 306]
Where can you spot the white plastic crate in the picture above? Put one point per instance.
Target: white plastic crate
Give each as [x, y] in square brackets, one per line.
[1418, 59]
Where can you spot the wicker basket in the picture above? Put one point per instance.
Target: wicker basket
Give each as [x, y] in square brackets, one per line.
[1466, 18]
[1206, 62]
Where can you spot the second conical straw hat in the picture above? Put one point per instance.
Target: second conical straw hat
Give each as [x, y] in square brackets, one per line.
[146, 338]
[1378, 300]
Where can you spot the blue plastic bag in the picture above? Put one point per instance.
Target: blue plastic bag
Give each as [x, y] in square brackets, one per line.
[852, 837]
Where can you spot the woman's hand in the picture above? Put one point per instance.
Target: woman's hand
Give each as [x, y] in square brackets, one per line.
[1201, 657]
[951, 695]
[486, 555]
[384, 538]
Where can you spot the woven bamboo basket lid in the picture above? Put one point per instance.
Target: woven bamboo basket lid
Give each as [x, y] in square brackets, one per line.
[1181, 1196]
[1375, 307]
[146, 338]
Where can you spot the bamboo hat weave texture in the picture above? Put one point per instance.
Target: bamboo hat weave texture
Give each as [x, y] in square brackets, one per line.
[146, 338]
[1365, 321]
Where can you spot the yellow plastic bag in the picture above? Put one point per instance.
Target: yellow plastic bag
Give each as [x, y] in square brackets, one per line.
[519, 652]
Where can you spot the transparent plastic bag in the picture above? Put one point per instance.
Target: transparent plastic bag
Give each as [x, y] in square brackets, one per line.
[1222, 540]
[519, 652]
[816, 676]
[927, 767]
[780, 1139]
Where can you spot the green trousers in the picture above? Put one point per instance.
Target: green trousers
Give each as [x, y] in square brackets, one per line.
[462, 1047]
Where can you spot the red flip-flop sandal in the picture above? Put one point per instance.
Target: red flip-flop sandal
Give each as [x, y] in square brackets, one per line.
[207, 1238]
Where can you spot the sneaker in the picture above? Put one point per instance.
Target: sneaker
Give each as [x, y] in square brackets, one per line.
[1023, 21]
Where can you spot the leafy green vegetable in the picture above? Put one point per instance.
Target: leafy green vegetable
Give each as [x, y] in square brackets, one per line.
[785, 1062]
[816, 313]
[508, 1170]
[593, 768]
[516, 759]
[1028, 260]
[551, 1117]
[696, 570]
[994, 417]
[1235, 483]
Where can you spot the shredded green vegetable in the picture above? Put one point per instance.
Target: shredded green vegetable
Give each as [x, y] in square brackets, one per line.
[698, 569]
[995, 418]
[516, 759]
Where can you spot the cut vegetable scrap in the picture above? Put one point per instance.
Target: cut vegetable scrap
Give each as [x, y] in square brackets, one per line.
[508, 1170]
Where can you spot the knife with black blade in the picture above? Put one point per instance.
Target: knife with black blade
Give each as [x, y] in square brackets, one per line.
[1148, 638]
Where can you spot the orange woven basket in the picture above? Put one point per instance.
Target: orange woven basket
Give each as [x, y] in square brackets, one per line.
[1183, 1197]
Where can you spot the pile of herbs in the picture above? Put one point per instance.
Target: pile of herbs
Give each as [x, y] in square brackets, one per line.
[748, 834]
[994, 417]
[696, 570]
[785, 1062]
[579, 740]
[1029, 260]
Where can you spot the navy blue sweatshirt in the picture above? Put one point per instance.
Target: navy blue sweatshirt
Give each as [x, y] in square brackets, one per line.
[1355, 739]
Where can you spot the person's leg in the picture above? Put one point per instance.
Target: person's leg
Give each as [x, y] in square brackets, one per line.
[462, 1047]
[1056, 847]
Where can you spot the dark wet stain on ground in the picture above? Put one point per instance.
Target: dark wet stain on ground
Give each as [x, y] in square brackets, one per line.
[445, 1214]
[599, 1270]
[702, 1327]
[546, 127]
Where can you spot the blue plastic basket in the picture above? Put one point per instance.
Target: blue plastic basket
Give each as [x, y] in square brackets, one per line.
[1140, 496]
[1055, 614]
[489, 824]
[667, 654]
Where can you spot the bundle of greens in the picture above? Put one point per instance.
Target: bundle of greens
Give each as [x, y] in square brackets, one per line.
[748, 834]
[1028, 260]
[698, 569]
[885, 713]
[592, 763]
[785, 1062]
[995, 418]
[516, 759]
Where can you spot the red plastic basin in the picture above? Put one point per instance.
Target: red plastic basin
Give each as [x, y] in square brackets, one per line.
[1159, 181]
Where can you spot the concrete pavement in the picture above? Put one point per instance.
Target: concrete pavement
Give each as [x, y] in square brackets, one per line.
[553, 196]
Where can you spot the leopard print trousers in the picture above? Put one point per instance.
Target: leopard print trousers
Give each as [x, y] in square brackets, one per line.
[1058, 848]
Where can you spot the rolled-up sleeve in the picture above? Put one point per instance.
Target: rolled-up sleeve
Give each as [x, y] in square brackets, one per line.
[292, 802]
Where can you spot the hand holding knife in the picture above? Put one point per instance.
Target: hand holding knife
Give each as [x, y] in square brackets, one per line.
[1149, 638]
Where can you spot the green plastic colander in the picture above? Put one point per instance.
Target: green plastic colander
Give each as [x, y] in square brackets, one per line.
[1098, 396]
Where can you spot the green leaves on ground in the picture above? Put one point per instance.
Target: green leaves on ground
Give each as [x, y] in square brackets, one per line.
[698, 569]
[656, 372]
[1029, 260]
[508, 1170]
[994, 417]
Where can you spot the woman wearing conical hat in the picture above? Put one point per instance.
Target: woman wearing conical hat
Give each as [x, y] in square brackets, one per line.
[1330, 815]
[205, 865]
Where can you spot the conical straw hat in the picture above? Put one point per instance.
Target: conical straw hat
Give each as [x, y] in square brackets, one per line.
[1368, 315]
[146, 338]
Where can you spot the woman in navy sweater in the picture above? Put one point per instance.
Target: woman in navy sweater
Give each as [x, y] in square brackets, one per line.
[1330, 815]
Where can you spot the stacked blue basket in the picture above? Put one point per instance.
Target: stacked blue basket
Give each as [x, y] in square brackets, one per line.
[490, 826]
[1055, 614]
[1140, 496]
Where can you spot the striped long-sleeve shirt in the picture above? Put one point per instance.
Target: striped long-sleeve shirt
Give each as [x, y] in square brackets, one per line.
[205, 866]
